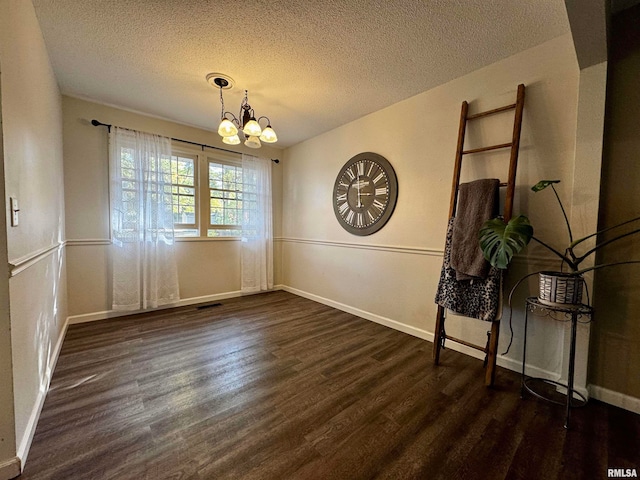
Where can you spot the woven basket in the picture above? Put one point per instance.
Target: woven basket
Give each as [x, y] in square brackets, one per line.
[560, 289]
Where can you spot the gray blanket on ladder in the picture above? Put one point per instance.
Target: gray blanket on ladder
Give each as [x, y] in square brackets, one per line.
[477, 202]
[478, 298]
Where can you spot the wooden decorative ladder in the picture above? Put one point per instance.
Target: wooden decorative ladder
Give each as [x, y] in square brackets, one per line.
[440, 336]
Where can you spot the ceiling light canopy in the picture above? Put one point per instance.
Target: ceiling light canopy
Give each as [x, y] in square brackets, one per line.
[231, 126]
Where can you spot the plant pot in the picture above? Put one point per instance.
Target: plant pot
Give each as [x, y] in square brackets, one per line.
[560, 289]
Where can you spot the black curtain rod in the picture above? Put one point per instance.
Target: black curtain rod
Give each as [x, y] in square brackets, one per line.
[96, 123]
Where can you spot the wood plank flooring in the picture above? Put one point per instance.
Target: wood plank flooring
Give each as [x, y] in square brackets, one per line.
[274, 386]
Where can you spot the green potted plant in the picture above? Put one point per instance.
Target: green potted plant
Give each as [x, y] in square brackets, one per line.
[500, 241]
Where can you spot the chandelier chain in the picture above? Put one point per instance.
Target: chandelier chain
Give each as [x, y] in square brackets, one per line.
[222, 103]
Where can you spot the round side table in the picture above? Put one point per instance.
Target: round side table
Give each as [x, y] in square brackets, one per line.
[562, 313]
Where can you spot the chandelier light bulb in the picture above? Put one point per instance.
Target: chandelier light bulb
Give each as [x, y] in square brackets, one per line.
[269, 135]
[253, 142]
[252, 128]
[227, 128]
[232, 140]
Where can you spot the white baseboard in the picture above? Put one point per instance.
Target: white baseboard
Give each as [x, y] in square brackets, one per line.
[10, 468]
[25, 443]
[208, 298]
[616, 399]
[106, 314]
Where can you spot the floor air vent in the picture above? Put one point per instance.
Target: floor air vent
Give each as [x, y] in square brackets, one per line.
[208, 305]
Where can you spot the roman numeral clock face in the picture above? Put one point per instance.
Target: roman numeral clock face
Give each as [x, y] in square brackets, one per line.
[365, 193]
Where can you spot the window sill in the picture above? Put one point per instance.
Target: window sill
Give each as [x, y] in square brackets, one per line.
[207, 239]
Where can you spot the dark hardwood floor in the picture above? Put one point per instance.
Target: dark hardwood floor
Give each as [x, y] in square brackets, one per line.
[274, 386]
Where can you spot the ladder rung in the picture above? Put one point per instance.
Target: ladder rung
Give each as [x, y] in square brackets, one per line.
[503, 184]
[484, 149]
[457, 340]
[491, 112]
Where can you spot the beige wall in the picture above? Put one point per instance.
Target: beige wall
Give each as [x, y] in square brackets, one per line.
[8, 460]
[207, 269]
[391, 276]
[32, 135]
[615, 347]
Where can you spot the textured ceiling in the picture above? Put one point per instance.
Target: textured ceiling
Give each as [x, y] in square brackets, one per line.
[310, 65]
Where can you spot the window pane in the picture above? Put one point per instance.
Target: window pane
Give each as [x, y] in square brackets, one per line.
[217, 216]
[126, 158]
[215, 175]
[229, 178]
[128, 173]
[219, 232]
[182, 170]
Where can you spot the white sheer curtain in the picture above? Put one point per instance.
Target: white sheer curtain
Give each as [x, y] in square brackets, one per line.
[257, 225]
[143, 260]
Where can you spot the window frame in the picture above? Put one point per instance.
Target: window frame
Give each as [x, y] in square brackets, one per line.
[196, 199]
[206, 193]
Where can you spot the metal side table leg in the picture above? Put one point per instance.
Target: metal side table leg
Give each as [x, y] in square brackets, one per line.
[572, 365]
[524, 353]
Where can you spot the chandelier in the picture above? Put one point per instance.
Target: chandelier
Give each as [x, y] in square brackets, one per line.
[231, 126]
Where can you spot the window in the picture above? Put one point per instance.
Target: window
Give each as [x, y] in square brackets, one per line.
[225, 199]
[183, 189]
[207, 194]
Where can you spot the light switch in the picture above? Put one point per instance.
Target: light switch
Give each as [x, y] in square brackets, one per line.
[15, 217]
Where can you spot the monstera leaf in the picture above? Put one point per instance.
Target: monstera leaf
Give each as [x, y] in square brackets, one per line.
[499, 242]
[542, 184]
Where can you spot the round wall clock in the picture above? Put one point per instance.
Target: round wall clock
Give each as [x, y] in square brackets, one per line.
[365, 193]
